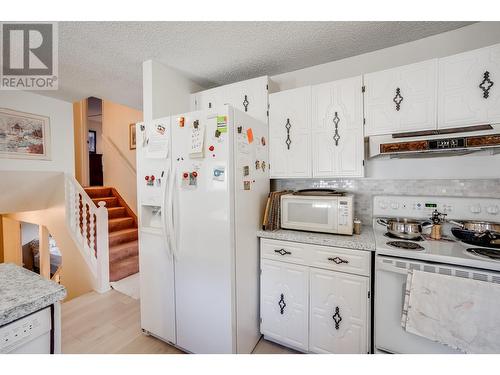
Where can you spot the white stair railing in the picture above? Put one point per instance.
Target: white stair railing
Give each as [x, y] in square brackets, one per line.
[88, 225]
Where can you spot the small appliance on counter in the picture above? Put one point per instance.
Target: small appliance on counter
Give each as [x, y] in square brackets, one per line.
[318, 210]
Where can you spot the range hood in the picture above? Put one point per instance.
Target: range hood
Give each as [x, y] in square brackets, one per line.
[432, 143]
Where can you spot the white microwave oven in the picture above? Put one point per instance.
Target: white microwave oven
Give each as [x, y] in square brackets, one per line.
[318, 213]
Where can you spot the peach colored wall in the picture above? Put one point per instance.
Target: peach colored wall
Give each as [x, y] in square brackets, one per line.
[118, 160]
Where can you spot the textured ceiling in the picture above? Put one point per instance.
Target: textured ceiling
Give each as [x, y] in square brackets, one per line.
[104, 59]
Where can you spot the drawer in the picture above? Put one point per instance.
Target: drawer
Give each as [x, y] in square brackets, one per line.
[291, 252]
[340, 259]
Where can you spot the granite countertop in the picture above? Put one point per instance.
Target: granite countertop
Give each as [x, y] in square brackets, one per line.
[363, 241]
[23, 292]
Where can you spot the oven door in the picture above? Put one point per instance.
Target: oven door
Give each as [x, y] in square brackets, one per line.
[390, 285]
[309, 213]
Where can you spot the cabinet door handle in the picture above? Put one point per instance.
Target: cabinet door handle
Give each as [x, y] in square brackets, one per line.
[282, 252]
[336, 317]
[338, 260]
[398, 99]
[486, 84]
[282, 304]
[246, 103]
[288, 126]
[336, 136]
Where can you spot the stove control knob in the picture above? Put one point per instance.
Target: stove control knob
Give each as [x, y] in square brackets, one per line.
[493, 210]
[475, 209]
[383, 205]
[394, 205]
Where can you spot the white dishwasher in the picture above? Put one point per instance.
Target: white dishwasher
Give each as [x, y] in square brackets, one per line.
[31, 334]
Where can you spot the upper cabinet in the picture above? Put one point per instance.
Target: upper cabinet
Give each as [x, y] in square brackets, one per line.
[337, 129]
[290, 133]
[317, 131]
[248, 96]
[469, 88]
[401, 99]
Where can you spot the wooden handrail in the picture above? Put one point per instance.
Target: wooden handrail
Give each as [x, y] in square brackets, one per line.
[119, 152]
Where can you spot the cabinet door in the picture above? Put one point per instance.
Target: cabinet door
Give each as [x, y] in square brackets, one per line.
[401, 99]
[339, 313]
[284, 303]
[469, 88]
[211, 99]
[250, 96]
[337, 129]
[290, 133]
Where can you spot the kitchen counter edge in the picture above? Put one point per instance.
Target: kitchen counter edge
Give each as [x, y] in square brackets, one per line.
[364, 241]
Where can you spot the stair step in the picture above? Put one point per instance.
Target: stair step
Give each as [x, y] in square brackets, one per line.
[123, 268]
[121, 236]
[110, 201]
[120, 223]
[98, 191]
[122, 251]
[115, 212]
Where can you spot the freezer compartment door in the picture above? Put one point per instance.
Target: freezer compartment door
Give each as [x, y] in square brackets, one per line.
[157, 286]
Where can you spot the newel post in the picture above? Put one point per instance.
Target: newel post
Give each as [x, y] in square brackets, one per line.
[102, 246]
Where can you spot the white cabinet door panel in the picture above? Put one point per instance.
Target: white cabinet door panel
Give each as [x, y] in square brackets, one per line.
[211, 99]
[462, 101]
[284, 303]
[337, 129]
[289, 133]
[339, 312]
[250, 96]
[401, 99]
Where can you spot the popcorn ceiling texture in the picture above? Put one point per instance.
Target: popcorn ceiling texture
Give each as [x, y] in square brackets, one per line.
[104, 59]
[365, 189]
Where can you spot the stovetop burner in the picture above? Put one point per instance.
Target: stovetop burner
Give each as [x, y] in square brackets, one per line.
[407, 245]
[484, 253]
[390, 235]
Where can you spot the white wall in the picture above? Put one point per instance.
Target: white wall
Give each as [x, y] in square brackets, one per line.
[61, 131]
[29, 232]
[467, 38]
[165, 90]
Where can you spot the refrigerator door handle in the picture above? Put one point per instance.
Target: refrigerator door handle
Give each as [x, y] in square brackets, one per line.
[164, 212]
[170, 204]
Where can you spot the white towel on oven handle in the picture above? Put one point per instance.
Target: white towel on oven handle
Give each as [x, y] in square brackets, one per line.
[459, 312]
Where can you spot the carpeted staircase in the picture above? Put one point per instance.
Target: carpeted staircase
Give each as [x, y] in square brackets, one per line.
[123, 233]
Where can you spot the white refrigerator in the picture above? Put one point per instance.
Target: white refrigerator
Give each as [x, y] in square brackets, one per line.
[202, 183]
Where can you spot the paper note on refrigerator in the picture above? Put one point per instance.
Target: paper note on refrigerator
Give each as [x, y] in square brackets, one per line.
[197, 140]
[158, 142]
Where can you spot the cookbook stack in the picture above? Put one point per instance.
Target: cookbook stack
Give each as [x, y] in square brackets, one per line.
[272, 214]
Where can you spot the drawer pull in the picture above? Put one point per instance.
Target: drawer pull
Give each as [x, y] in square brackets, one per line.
[336, 317]
[338, 260]
[282, 252]
[282, 304]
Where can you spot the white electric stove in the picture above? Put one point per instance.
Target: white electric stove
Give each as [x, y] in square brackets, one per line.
[449, 256]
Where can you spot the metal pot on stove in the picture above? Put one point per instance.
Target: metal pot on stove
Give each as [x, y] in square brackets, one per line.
[479, 233]
[404, 228]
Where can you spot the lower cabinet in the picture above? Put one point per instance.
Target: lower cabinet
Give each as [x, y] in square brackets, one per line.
[284, 303]
[338, 312]
[312, 309]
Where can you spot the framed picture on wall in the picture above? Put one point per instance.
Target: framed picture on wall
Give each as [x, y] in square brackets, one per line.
[92, 141]
[24, 135]
[131, 137]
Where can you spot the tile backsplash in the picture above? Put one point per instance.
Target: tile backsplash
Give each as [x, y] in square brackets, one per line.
[365, 189]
